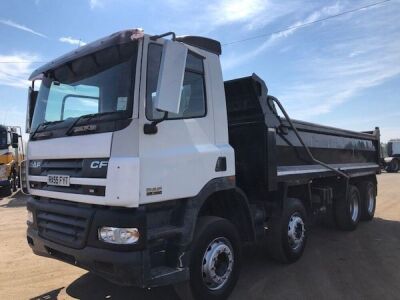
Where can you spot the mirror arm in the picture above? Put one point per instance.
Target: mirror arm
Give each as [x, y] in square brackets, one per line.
[165, 116]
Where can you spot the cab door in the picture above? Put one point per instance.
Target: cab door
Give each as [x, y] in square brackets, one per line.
[178, 160]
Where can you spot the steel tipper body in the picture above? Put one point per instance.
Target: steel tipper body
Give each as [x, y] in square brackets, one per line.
[146, 169]
[260, 136]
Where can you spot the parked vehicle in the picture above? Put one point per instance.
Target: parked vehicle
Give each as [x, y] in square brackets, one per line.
[11, 153]
[147, 169]
[392, 161]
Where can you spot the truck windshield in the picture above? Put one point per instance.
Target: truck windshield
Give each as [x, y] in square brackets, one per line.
[3, 139]
[98, 83]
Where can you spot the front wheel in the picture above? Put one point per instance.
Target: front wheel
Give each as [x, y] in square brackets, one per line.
[287, 233]
[6, 190]
[215, 261]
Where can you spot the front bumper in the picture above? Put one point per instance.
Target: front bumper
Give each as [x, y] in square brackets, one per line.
[123, 268]
[121, 264]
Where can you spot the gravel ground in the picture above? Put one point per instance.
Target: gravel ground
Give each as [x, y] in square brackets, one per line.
[363, 264]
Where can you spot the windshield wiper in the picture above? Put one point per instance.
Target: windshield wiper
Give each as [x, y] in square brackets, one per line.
[45, 124]
[88, 117]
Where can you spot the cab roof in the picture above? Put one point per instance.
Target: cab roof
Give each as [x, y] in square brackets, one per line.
[118, 38]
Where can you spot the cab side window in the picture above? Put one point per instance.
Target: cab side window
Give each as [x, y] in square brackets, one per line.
[193, 99]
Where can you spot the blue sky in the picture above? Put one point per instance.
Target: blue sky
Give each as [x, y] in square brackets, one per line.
[342, 72]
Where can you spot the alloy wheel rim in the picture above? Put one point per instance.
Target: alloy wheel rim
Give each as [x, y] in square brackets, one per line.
[371, 201]
[354, 207]
[296, 231]
[217, 263]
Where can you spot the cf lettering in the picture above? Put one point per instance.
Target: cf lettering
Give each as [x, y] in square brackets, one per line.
[98, 164]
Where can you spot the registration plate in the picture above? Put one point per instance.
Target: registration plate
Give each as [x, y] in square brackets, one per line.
[60, 180]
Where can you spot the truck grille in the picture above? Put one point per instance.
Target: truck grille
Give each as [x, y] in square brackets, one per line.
[71, 167]
[65, 227]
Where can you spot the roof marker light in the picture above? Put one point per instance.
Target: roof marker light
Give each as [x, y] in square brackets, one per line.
[137, 33]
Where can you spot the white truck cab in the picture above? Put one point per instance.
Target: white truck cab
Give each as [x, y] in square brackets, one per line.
[146, 168]
[141, 167]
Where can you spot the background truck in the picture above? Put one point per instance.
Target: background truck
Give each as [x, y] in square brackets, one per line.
[392, 161]
[11, 155]
[147, 169]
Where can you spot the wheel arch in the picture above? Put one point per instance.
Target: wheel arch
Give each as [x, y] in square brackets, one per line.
[220, 198]
[302, 192]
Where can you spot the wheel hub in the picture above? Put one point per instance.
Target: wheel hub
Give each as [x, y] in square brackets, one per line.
[296, 231]
[370, 201]
[354, 208]
[217, 263]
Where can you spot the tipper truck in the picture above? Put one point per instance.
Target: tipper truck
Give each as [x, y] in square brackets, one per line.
[146, 168]
[392, 161]
[11, 154]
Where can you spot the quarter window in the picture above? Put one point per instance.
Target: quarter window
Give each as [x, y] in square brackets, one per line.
[193, 100]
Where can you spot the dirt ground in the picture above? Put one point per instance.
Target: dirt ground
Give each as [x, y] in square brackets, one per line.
[364, 264]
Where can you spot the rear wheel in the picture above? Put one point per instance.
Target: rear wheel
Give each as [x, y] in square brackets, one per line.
[368, 200]
[287, 233]
[347, 209]
[215, 261]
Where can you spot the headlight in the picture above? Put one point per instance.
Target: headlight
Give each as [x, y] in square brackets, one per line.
[29, 217]
[114, 235]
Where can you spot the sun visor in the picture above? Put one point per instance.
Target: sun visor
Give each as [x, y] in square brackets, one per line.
[122, 37]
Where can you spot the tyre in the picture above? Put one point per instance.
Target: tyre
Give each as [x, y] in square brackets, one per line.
[13, 182]
[5, 191]
[394, 165]
[287, 233]
[368, 200]
[215, 261]
[347, 209]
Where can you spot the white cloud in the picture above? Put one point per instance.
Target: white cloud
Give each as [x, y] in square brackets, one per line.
[327, 79]
[234, 61]
[204, 17]
[16, 68]
[96, 3]
[336, 61]
[336, 79]
[21, 27]
[230, 11]
[71, 41]
[253, 14]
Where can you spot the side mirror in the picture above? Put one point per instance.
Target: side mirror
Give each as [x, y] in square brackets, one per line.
[170, 79]
[14, 139]
[32, 97]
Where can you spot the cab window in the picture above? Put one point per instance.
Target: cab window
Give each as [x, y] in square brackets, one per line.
[193, 99]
